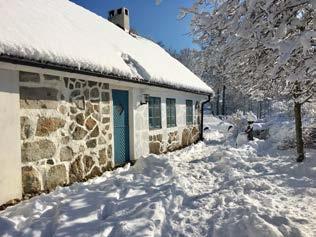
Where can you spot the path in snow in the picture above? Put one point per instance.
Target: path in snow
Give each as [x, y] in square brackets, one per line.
[209, 189]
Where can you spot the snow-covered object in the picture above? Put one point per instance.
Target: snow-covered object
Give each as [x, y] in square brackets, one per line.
[217, 129]
[239, 121]
[213, 123]
[61, 32]
[241, 139]
[251, 117]
[260, 126]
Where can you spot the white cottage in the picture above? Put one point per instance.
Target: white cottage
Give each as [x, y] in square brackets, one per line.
[79, 96]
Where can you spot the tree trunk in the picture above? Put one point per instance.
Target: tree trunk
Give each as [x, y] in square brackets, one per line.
[260, 109]
[244, 106]
[224, 100]
[298, 122]
[298, 130]
[250, 105]
[217, 102]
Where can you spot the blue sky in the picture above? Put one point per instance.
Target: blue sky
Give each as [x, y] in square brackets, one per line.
[158, 22]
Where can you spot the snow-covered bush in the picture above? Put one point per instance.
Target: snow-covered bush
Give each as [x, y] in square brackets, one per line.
[282, 124]
[282, 109]
[309, 110]
[282, 134]
[239, 120]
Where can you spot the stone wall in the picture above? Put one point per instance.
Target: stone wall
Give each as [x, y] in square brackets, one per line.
[66, 134]
[174, 140]
[161, 142]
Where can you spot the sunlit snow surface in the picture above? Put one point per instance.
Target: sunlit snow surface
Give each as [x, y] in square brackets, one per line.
[61, 32]
[208, 189]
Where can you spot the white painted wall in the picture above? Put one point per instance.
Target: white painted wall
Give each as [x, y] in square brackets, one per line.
[141, 123]
[10, 148]
[138, 114]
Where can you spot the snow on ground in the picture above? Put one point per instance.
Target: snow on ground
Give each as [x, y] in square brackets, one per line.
[208, 189]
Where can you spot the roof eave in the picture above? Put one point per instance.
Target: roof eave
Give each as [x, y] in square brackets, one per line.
[65, 68]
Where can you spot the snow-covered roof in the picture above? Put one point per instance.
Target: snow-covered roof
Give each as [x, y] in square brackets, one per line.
[63, 33]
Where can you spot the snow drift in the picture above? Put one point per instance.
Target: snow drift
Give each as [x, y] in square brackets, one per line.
[208, 189]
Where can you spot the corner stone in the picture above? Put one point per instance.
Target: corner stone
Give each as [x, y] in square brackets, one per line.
[57, 175]
[76, 172]
[185, 137]
[102, 157]
[34, 151]
[154, 147]
[30, 180]
[51, 77]
[109, 152]
[29, 77]
[26, 128]
[38, 98]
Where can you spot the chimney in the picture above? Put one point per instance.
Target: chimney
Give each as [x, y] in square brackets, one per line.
[120, 17]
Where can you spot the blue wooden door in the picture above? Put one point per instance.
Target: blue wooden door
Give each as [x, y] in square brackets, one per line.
[121, 128]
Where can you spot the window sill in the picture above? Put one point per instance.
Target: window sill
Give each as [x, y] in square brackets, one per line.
[153, 129]
[172, 126]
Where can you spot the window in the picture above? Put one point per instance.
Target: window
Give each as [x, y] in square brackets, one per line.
[126, 12]
[154, 107]
[197, 113]
[189, 111]
[171, 113]
[119, 11]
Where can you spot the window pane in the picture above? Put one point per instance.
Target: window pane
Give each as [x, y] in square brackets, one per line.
[154, 112]
[168, 107]
[172, 122]
[152, 99]
[171, 112]
[174, 113]
[157, 122]
[189, 111]
[151, 124]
